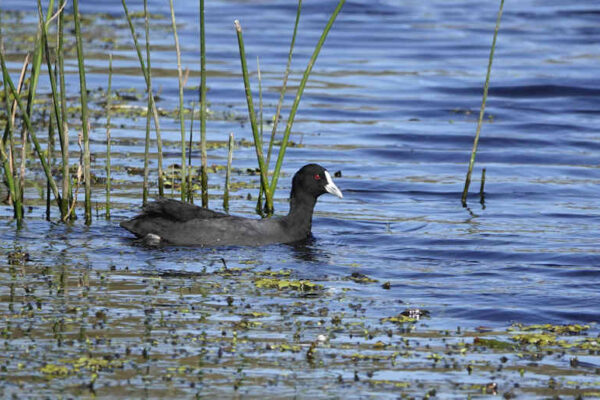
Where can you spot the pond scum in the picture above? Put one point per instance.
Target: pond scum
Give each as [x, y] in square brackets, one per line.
[241, 330]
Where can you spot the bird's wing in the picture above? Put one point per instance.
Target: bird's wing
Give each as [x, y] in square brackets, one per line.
[179, 211]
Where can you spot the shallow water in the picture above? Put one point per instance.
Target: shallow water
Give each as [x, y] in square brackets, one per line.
[392, 103]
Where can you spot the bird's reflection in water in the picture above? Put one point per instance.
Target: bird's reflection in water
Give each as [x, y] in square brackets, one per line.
[307, 250]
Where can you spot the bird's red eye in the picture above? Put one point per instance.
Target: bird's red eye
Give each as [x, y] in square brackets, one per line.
[317, 177]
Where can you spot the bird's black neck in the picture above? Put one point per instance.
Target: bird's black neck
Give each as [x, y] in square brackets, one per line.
[301, 210]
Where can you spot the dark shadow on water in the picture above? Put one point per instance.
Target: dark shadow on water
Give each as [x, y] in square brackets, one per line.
[307, 250]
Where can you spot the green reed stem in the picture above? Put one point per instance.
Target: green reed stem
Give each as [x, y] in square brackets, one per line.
[25, 116]
[284, 85]
[260, 100]
[24, 155]
[6, 160]
[55, 102]
[21, 177]
[44, 42]
[190, 194]
[13, 112]
[33, 83]
[148, 77]
[255, 133]
[203, 107]
[228, 173]
[36, 65]
[67, 193]
[50, 161]
[260, 124]
[181, 115]
[290, 121]
[108, 141]
[148, 112]
[84, 116]
[6, 164]
[481, 111]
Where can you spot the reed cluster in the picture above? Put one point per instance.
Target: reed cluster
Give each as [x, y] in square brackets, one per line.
[63, 183]
[268, 187]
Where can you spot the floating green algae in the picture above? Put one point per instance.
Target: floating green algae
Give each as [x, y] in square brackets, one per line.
[538, 339]
[72, 366]
[283, 284]
[574, 329]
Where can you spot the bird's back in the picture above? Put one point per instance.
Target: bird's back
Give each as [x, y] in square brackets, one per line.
[182, 224]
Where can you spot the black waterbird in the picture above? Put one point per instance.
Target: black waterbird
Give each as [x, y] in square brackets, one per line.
[174, 222]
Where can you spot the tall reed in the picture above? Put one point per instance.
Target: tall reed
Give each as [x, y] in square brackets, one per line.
[296, 103]
[52, 74]
[50, 157]
[482, 110]
[228, 173]
[259, 207]
[260, 101]
[269, 192]
[38, 149]
[181, 114]
[67, 194]
[21, 176]
[257, 142]
[203, 108]
[7, 164]
[148, 77]
[148, 112]
[84, 116]
[36, 65]
[108, 141]
[284, 84]
[190, 193]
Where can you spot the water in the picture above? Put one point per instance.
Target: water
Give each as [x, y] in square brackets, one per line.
[392, 103]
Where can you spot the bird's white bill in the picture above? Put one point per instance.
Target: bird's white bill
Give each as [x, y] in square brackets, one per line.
[331, 188]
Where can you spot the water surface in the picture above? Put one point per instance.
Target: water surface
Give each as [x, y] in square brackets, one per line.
[392, 103]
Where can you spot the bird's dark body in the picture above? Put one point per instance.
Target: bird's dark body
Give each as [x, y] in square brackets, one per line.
[178, 223]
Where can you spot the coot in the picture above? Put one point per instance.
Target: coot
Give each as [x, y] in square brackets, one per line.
[177, 223]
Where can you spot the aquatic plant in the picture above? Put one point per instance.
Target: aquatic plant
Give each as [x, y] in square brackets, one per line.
[145, 189]
[108, 112]
[299, 92]
[269, 188]
[264, 180]
[66, 196]
[183, 191]
[61, 127]
[203, 109]
[228, 173]
[84, 116]
[7, 160]
[148, 78]
[38, 148]
[482, 109]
